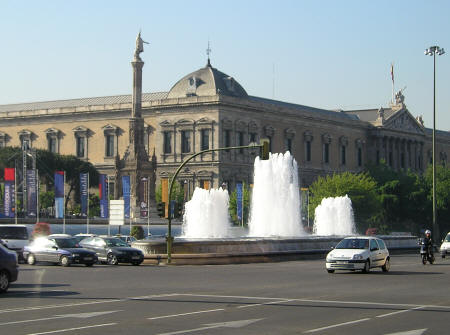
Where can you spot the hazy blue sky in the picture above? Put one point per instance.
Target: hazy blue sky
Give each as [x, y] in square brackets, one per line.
[328, 54]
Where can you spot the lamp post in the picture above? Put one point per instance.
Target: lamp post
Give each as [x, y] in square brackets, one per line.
[433, 51]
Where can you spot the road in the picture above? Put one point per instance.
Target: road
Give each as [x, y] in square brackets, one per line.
[267, 298]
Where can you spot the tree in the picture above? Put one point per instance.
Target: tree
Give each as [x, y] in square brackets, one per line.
[246, 207]
[177, 192]
[361, 189]
[137, 232]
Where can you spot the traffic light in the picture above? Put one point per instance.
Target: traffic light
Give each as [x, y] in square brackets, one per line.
[264, 154]
[161, 206]
[179, 209]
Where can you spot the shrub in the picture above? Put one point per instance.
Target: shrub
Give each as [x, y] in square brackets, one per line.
[40, 229]
[137, 232]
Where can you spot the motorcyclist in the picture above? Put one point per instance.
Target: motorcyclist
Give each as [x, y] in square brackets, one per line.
[428, 242]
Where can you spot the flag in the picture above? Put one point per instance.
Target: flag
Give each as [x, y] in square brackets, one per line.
[9, 203]
[103, 195]
[392, 72]
[126, 195]
[59, 194]
[84, 193]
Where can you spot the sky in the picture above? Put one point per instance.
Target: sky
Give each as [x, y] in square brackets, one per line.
[325, 54]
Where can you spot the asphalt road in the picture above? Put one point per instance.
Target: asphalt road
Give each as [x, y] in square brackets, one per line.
[272, 298]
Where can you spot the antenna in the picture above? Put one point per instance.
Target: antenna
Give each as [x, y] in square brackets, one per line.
[208, 52]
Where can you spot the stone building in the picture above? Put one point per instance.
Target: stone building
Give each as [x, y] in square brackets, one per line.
[209, 109]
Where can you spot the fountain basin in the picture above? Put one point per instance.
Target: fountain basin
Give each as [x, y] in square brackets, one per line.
[252, 250]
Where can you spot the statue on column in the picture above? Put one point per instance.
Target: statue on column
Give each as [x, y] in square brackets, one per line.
[139, 46]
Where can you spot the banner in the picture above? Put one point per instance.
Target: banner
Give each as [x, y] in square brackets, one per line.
[84, 193]
[9, 194]
[59, 194]
[126, 195]
[103, 194]
[239, 198]
[31, 193]
[143, 197]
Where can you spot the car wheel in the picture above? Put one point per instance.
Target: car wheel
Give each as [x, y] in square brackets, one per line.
[386, 266]
[330, 271]
[64, 260]
[136, 263]
[443, 256]
[111, 259]
[424, 259]
[4, 281]
[31, 259]
[366, 267]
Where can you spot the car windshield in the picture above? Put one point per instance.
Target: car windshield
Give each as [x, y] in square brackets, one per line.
[115, 242]
[447, 238]
[353, 243]
[14, 233]
[67, 242]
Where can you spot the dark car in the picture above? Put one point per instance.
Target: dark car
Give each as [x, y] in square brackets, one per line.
[113, 250]
[9, 268]
[60, 250]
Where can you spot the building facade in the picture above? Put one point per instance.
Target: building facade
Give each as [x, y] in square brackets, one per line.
[208, 109]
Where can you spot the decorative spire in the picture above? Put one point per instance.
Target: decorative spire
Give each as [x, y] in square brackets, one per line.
[208, 52]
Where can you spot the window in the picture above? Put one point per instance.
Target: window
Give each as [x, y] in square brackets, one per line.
[343, 155]
[52, 144]
[185, 141]
[204, 143]
[326, 153]
[288, 144]
[373, 245]
[167, 145]
[240, 140]
[390, 158]
[80, 146]
[359, 157]
[270, 143]
[381, 244]
[308, 151]
[402, 160]
[109, 145]
[227, 138]
[378, 157]
[252, 137]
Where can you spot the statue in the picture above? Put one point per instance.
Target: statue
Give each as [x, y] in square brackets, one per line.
[399, 97]
[381, 114]
[139, 46]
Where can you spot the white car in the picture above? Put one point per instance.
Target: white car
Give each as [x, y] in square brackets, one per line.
[445, 246]
[359, 253]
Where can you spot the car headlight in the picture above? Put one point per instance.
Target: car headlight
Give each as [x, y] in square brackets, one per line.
[358, 257]
[329, 258]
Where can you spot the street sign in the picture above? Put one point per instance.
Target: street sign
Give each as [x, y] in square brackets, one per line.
[117, 212]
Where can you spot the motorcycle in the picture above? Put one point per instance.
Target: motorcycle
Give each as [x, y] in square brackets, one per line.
[426, 252]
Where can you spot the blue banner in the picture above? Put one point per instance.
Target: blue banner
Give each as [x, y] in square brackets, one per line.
[31, 193]
[103, 194]
[9, 201]
[84, 193]
[59, 194]
[239, 198]
[126, 195]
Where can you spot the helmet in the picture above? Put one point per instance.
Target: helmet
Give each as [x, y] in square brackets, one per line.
[427, 232]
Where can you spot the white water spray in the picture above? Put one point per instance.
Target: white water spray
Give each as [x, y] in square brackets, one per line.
[206, 214]
[275, 207]
[334, 216]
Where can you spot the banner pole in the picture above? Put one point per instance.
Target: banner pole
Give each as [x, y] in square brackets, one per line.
[64, 202]
[37, 196]
[109, 214]
[15, 191]
[87, 209]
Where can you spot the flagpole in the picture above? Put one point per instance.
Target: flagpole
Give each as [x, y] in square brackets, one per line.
[392, 77]
[64, 202]
[107, 199]
[87, 209]
[37, 196]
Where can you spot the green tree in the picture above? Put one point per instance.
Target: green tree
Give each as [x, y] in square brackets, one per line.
[233, 205]
[361, 189]
[137, 232]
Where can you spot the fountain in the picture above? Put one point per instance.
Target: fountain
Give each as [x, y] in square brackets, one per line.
[275, 207]
[206, 214]
[275, 230]
[334, 216]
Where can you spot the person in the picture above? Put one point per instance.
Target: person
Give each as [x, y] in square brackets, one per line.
[428, 241]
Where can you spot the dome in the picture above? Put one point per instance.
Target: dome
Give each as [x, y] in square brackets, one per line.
[207, 81]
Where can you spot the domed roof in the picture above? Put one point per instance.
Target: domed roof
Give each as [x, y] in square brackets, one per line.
[206, 81]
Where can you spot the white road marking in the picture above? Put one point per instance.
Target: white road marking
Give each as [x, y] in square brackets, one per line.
[71, 329]
[79, 316]
[410, 332]
[336, 325]
[182, 314]
[398, 312]
[265, 303]
[32, 308]
[231, 324]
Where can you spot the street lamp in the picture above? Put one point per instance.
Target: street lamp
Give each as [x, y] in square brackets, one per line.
[432, 51]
